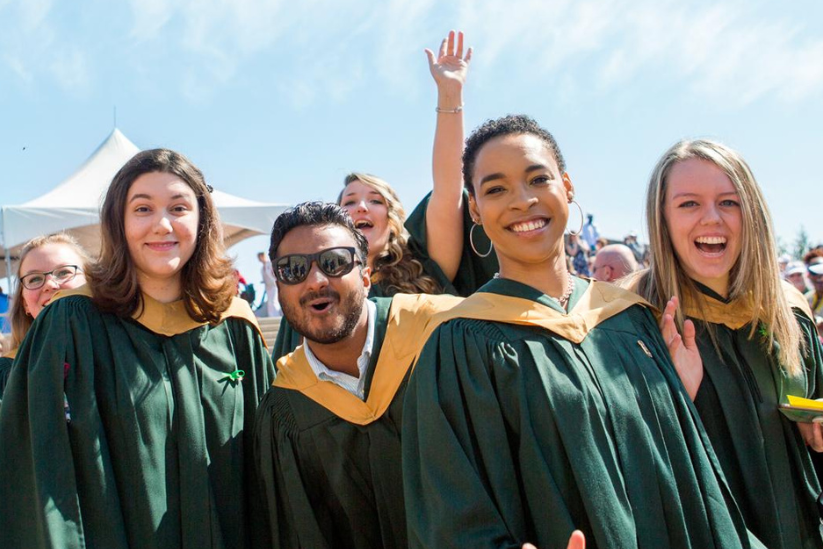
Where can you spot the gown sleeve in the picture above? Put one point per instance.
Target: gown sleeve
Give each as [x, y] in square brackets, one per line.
[273, 417]
[5, 371]
[52, 388]
[813, 358]
[253, 358]
[473, 272]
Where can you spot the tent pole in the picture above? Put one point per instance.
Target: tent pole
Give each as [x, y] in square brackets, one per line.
[8, 269]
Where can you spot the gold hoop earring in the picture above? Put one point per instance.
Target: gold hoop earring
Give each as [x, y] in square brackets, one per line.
[474, 248]
[580, 230]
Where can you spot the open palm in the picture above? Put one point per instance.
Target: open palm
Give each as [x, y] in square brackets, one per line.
[450, 66]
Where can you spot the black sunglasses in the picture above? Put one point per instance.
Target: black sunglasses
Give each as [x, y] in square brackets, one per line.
[334, 262]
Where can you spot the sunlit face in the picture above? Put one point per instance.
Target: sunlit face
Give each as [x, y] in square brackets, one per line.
[797, 280]
[48, 258]
[322, 308]
[161, 220]
[703, 215]
[521, 199]
[370, 213]
[814, 278]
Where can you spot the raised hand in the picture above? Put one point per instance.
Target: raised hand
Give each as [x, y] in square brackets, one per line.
[683, 349]
[450, 67]
[577, 541]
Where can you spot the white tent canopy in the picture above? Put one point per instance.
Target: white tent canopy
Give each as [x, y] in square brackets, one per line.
[73, 206]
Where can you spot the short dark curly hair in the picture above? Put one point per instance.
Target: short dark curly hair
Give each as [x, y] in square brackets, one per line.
[316, 214]
[513, 124]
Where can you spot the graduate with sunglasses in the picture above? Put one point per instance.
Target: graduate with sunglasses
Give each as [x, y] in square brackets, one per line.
[126, 422]
[327, 442]
[428, 252]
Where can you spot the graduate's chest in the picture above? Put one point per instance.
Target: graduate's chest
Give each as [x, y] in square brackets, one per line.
[160, 385]
[602, 380]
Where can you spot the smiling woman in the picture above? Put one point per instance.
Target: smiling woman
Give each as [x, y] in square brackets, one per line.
[146, 383]
[47, 264]
[545, 403]
[713, 249]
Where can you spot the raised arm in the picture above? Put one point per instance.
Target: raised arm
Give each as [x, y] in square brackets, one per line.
[444, 218]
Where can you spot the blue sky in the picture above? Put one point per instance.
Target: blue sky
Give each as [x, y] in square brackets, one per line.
[277, 101]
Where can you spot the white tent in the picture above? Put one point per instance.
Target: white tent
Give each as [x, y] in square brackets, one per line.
[73, 206]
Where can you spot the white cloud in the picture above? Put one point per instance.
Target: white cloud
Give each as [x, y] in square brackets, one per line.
[735, 53]
[70, 70]
[730, 52]
[150, 16]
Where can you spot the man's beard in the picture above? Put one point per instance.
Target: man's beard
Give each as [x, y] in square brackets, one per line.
[350, 308]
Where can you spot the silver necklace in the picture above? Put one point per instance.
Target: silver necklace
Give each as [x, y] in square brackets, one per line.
[563, 299]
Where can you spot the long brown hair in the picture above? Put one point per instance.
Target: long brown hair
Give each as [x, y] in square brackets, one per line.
[754, 277]
[207, 277]
[20, 320]
[395, 268]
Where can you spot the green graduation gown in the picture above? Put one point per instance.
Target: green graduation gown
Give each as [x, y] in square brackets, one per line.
[5, 370]
[330, 462]
[122, 433]
[522, 423]
[763, 455]
[473, 272]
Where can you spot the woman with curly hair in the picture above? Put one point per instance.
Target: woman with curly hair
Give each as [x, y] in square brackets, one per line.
[378, 213]
[47, 264]
[127, 419]
[713, 249]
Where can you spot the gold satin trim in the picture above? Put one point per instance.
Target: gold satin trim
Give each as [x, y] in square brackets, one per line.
[409, 316]
[171, 319]
[737, 313]
[598, 303]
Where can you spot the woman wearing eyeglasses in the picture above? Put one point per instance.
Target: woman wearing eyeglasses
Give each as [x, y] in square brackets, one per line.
[127, 419]
[47, 264]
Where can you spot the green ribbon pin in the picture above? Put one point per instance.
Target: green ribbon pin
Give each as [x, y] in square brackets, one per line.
[236, 375]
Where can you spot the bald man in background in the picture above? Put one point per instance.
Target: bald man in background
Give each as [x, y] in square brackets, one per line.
[612, 262]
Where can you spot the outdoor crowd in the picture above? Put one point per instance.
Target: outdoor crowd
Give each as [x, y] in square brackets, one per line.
[450, 379]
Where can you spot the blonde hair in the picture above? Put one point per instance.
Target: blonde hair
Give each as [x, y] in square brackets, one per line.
[394, 268]
[20, 320]
[760, 286]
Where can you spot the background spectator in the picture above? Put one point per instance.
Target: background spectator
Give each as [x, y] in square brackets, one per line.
[589, 234]
[272, 306]
[795, 273]
[612, 262]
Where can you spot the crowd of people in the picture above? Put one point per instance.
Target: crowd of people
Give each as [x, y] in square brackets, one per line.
[481, 373]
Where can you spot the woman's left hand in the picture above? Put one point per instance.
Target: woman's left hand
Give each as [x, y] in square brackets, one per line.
[812, 433]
